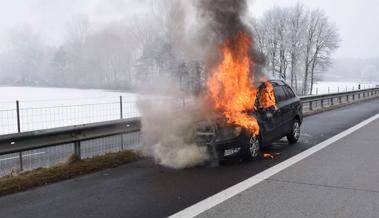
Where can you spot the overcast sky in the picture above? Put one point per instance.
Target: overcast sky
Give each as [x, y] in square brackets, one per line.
[357, 20]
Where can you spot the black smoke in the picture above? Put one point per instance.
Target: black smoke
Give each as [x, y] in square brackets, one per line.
[223, 19]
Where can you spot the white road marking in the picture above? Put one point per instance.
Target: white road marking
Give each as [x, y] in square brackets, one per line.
[222, 196]
[26, 155]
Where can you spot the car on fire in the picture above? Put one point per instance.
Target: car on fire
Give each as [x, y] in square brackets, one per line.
[228, 141]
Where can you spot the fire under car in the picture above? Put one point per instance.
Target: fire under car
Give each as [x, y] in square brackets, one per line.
[229, 141]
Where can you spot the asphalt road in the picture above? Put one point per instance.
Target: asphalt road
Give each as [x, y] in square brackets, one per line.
[142, 189]
[340, 180]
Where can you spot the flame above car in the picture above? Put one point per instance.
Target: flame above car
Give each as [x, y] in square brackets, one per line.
[231, 84]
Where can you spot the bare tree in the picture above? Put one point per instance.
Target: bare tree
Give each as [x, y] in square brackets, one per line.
[326, 42]
[296, 29]
[310, 36]
[283, 43]
[294, 35]
[270, 25]
[25, 61]
[77, 29]
[163, 45]
[271, 36]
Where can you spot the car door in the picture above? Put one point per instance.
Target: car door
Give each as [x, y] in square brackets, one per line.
[267, 119]
[283, 111]
[292, 103]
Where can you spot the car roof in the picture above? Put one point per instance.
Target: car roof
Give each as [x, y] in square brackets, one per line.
[277, 82]
[273, 82]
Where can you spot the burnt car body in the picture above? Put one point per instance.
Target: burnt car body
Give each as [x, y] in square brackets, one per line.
[227, 141]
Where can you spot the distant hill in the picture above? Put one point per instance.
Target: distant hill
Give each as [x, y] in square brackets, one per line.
[357, 70]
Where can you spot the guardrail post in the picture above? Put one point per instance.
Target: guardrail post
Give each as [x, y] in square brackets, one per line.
[322, 103]
[18, 116]
[77, 149]
[347, 98]
[353, 97]
[21, 161]
[310, 105]
[340, 99]
[19, 130]
[121, 115]
[359, 95]
[331, 101]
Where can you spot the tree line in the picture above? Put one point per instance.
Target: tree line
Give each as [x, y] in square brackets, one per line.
[129, 53]
[298, 44]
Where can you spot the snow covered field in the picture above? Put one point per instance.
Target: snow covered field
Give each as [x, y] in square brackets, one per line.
[333, 87]
[42, 108]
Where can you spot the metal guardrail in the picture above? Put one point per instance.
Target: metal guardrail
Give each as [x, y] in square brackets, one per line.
[316, 102]
[44, 138]
[27, 141]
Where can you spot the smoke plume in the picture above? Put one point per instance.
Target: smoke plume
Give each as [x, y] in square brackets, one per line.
[167, 126]
[168, 121]
[224, 19]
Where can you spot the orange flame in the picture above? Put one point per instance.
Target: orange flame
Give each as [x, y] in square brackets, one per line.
[267, 155]
[231, 84]
[267, 98]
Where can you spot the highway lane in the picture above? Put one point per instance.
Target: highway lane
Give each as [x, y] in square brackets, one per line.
[143, 189]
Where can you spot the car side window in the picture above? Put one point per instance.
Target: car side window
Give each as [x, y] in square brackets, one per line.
[280, 95]
[289, 92]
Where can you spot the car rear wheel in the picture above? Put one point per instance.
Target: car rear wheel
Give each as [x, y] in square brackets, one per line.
[253, 148]
[294, 136]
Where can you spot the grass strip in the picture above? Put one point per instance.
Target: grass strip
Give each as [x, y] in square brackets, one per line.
[72, 168]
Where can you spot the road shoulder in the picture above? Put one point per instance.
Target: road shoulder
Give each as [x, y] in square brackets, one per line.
[340, 180]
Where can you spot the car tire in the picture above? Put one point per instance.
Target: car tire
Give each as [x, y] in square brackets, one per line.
[294, 136]
[253, 149]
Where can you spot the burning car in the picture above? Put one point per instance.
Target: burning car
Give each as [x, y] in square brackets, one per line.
[227, 140]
